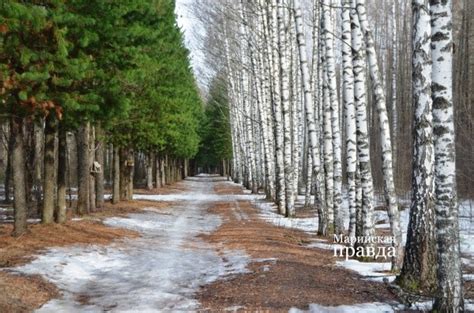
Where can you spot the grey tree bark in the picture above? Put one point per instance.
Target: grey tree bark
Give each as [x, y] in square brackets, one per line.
[82, 138]
[49, 183]
[60, 213]
[116, 175]
[19, 179]
[99, 176]
[92, 182]
[149, 159]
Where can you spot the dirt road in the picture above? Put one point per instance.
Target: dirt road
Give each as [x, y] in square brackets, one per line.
[207, 250]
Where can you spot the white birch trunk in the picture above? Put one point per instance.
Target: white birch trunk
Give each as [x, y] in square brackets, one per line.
[246, 104]
[363, 148]
[295, 103]
[313, 156]
[394, 81]
[328, 219]
[349, 114]
[316, 76]
[285, 103]
[385, 140]
[233, 102]
[338, 226]
[277, 111]
[449, 297]
[420, 249]
[264, 56]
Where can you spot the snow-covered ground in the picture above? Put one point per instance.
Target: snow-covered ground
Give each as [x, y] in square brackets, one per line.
[159, 271]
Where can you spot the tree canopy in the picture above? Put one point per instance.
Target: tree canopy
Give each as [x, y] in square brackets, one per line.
[121, 63]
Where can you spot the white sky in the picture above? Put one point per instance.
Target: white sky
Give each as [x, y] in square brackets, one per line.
[193, 30]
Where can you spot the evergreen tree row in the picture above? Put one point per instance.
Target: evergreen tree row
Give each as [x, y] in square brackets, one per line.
[114, 73]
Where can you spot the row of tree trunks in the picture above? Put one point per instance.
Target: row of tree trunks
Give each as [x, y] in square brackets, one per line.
[39, 157]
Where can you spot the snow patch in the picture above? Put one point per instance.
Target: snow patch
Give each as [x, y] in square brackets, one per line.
[367, 269]
[325, 246]
[268, 213]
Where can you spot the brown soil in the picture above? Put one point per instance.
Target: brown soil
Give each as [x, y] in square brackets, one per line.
[24, 293]
[299, 275]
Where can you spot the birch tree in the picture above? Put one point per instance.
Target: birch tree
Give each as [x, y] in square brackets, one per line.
[317, 83]
[385, 140]
[246, 103]
[349, 113]
[363, 149]
[285, 104]
[308, 93]
[327, 220]
[394, 80]
[449, 297]
[296, 101]
[267, 124]
[419, 270]
[277, 110]
[334, 111]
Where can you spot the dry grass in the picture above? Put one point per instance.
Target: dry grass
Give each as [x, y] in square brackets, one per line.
[20, 293]
[300, 275]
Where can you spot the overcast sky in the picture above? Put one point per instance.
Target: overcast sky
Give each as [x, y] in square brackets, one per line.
[192, 28]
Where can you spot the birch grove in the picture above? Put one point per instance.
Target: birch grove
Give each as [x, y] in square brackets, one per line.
[315, 122]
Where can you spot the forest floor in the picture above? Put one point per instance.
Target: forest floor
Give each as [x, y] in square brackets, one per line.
[284, 272]
[22, 292]
[203, 244]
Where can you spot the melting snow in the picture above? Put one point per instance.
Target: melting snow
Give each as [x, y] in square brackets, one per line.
[268, 213]
[160, 271]
[365, 268]
[195, 197]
